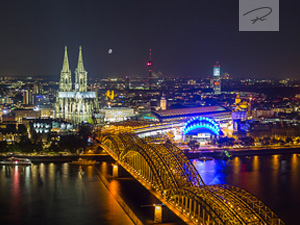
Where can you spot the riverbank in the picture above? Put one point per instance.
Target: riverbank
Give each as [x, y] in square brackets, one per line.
[58, 158]
[219, 153]
[216, 153]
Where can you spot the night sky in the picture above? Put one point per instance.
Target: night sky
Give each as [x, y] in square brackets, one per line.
[186, 38]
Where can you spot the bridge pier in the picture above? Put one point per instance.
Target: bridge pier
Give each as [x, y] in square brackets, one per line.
[119, 171]
[115, 170]
[158, 213]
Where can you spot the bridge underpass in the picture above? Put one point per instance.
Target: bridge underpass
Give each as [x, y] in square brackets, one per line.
[168, 174]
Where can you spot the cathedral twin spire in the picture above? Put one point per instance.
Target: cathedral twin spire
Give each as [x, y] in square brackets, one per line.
[65, 82]
[80, 66]
[66, 67]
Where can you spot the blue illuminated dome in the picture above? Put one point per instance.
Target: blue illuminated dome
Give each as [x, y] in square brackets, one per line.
[201, 123]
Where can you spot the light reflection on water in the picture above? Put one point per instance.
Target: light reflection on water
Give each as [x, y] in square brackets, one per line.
[56, 194]
[62, 194]
[274, 179]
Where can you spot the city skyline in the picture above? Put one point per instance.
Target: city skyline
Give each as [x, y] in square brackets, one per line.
[186, 39]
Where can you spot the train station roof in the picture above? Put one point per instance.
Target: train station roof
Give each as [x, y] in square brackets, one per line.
[189, 112]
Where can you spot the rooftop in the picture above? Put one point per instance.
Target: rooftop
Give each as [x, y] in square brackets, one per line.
[189, 111]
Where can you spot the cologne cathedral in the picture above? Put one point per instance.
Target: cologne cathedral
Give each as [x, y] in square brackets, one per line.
[75, 105]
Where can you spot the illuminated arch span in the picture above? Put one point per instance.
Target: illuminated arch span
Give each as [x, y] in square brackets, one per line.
[174, 178]
[201, 122]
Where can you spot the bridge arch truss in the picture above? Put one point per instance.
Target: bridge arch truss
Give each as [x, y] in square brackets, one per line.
[167, 171]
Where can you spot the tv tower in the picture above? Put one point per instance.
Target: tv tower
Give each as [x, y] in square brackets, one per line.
[149, 64]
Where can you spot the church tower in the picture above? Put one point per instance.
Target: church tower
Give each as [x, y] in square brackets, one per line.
[75, 105]
[80, 75]
[65, 82]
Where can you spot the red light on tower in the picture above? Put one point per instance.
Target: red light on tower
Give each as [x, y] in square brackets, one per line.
[217, 64]
[149, 64]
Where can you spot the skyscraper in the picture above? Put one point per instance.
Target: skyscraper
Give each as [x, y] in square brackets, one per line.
[217, 79]
[76, 105]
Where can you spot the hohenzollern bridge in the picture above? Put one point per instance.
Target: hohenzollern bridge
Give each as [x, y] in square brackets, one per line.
[168, 174]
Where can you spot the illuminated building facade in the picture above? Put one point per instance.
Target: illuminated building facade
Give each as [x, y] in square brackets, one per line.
[201, 129]
[27, 97]
[117, 114]
[173, 120]
[78, 105]
[163, 103]
[218, 113]
[217, 79]
[46, 126]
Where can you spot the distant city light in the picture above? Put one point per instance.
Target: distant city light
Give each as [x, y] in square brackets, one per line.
[37, 108]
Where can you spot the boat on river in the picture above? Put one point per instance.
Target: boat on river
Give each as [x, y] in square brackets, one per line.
[84, 162]
[16, 161]
[205, 158]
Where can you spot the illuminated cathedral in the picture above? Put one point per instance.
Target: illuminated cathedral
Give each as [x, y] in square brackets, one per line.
[76, 104]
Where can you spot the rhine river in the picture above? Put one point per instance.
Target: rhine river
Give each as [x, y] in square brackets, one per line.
[57, 193]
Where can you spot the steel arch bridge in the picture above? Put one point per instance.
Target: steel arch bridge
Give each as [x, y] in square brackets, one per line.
[168, 173]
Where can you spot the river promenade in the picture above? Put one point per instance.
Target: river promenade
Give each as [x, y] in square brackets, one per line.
[35, 158]
[213, 152]
[219, 152]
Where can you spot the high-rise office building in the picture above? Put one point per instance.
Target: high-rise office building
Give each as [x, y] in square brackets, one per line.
[217, 79]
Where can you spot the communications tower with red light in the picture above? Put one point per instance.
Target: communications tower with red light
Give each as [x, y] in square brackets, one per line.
[149, 64]
[217, 79]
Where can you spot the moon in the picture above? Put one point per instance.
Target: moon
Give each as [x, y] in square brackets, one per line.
[110, 51]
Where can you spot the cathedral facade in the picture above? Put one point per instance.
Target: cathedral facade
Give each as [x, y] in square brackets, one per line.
[76, 104]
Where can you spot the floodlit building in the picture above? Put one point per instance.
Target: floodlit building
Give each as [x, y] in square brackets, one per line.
[27, 97]
[75, 105]
[117, 114]
[217, 79]
[163, 103]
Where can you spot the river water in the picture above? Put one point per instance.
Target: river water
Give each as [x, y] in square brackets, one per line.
[275, 179]
[57, 193]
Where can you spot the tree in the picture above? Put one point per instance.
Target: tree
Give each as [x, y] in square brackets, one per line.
[54, 147]
[222, 141]
[3, 146]
[281, 142]
[25, 145]
[274, 141]
[14, 148]
[85, 131]
[226, 141]
[289, 140]
[37, 147]
[18, 97]
[230, 142]
[22, 129]
[193, 145]
[91, 121]
[247, 141]
[71, 143]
